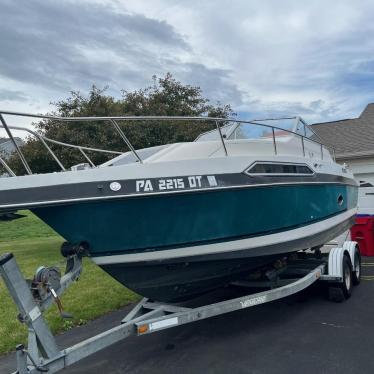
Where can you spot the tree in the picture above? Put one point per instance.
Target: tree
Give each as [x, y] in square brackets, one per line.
[164, 97]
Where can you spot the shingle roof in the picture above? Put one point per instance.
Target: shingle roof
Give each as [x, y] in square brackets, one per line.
[3, 140]
[349, 137]
[7, 147]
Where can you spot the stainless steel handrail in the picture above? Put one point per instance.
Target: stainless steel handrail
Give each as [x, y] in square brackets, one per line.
[44, 140]
[113, 120]
[7, 168]
[124, 137]
[221, 136]
[256, 122]
[20, 154]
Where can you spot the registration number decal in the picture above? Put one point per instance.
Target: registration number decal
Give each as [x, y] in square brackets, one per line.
[170, 184]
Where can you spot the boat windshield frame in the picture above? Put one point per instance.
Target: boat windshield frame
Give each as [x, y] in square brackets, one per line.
[219, 123]
[232, 128]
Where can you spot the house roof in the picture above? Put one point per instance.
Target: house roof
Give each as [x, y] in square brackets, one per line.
[351, 138]
[7, 148]
[6, 140]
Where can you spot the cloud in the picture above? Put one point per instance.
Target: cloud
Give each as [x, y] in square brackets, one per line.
[10, 95]
[288, 53]
[313, 59]
[62, 44]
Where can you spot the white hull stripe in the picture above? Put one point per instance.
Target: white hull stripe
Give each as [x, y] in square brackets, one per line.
[230, 246]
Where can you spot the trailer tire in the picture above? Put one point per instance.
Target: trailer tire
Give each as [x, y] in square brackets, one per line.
[338, 292]
[356, 272]
[347, 283]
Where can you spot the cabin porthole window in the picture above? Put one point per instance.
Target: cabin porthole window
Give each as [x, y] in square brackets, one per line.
[340, 200]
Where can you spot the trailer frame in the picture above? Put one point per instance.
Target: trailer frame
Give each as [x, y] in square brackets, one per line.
[43, 354]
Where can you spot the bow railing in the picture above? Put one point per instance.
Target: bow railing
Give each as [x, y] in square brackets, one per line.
[115, 121]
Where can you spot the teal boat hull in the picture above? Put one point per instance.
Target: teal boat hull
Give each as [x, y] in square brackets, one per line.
[168, 221]
[186, 221]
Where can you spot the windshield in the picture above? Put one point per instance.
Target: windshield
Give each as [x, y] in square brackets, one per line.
[260, 129]
[214, 134]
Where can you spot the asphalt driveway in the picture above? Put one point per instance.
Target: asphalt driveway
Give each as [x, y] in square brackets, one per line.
[301, 334]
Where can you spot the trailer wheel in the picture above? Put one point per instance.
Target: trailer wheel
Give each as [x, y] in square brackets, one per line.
[356, 272]
[343, 290]
[347, 283]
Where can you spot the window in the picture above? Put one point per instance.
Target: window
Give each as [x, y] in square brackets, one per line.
[300, 128]
[365, 184]
[309, 133]
[279, 169]
[214, 134]
[262, 129]
[251, 131]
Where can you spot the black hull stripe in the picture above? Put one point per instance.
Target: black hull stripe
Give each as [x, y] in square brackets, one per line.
[88, 191]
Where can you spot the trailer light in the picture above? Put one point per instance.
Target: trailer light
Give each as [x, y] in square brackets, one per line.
[142, 329]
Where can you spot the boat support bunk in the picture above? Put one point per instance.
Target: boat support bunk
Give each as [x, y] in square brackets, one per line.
[341, 268]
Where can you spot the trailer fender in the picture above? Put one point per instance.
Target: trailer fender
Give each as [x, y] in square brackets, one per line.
[354, 253]
[352, 248]
[336, 256]
[340, 268]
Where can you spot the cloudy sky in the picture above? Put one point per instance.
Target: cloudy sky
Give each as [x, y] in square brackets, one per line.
[272, 57]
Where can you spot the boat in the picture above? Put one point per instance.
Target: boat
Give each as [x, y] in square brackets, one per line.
[174, 221]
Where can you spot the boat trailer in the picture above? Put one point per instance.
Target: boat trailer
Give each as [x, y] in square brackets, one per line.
[341, 268]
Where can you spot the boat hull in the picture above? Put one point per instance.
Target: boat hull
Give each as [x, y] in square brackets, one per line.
[181, 278]
[161, 222]
[179, 281]
[172, 247]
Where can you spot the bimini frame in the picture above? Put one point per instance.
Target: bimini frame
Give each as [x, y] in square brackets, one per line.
[115, 122]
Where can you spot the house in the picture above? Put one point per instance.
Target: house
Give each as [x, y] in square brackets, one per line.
[7, 147]
[353, 141]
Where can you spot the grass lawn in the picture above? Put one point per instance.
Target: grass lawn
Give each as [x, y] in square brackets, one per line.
[33, 244]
